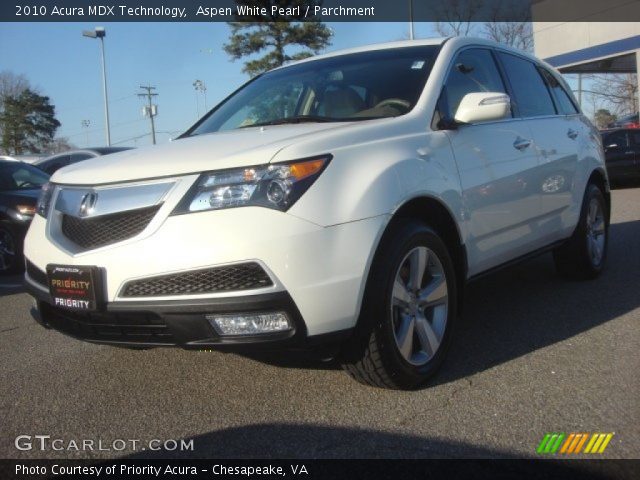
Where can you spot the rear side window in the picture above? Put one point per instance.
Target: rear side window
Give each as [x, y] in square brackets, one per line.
[617, 139]
[531, 94]
[474, 70]
[634, 136]
[563, 101]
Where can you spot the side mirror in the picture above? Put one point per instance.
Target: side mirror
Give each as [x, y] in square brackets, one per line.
[483, 107]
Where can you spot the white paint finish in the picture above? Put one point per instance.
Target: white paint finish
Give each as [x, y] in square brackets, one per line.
[321, 268]
[321, 250]
[483, 107]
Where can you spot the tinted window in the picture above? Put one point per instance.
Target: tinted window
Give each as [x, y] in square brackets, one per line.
[78, 157]
[474, 70]
[563, 100]
[358, 86]
[618, 139]
[53, 164]
[531, 94]
[634, 137]
[20, 176]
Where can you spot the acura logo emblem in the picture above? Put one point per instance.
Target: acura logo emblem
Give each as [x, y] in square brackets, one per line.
[87, 204]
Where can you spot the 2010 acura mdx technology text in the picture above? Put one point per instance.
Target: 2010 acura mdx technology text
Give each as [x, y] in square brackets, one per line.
[343, 199]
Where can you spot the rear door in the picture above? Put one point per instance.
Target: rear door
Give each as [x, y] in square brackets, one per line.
[634, 145]
[619, 156]
[555, 132]
[496, 164]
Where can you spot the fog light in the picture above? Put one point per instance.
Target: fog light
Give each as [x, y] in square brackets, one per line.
[249, 323]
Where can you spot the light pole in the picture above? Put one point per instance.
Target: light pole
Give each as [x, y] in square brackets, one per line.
[85, 125]
[200, 86]
[100, 33]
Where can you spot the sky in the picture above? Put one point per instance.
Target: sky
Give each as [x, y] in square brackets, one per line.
[65, 66]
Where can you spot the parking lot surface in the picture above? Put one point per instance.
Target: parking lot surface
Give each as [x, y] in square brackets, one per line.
[532, 354]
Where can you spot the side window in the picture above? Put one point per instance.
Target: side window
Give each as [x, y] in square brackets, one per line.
[474, 70]
[531, 94]
[615, 139]
[634, 137]
[55, 163]
[563, 101]
[78, 157]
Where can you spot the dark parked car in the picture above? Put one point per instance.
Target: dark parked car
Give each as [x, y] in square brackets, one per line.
[59, 160]
[622, 154]
[20, 185]
[630, 121]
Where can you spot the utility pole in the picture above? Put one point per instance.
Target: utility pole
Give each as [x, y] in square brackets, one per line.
[151, 109]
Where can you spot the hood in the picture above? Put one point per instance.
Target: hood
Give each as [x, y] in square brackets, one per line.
[214, 151]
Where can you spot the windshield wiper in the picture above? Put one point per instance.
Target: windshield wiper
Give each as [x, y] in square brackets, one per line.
[296, 119]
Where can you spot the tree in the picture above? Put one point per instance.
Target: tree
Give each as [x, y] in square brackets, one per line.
[59, 145]
[253, 34]
[10, 85]
[458, 20]
[603, 117]
[514, 34]
[28, 123]
[619, 91]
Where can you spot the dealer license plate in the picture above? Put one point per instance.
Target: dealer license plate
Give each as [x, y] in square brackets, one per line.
[73, 287]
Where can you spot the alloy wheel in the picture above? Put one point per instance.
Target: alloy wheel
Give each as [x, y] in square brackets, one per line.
[419, 305]
[595, 231]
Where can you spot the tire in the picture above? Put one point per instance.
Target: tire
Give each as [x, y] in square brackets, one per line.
[392, 315]
[10, 249]
[583, 256]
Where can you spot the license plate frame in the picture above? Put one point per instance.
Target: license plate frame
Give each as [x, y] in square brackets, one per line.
[75, 287]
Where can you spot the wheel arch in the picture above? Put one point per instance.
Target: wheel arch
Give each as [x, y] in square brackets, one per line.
[435, 214]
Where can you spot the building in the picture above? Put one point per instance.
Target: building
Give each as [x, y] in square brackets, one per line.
[591, 38]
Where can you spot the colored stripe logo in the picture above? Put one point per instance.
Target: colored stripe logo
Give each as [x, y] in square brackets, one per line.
[574, 443]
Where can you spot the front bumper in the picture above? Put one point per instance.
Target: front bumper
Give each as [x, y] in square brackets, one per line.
[321, 269]
[180, 323]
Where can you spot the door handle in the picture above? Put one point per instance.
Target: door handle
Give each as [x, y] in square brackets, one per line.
[572, 134]
[521, 143]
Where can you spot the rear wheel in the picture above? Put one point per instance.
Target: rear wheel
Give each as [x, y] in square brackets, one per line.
[10, 249]
[408, 311]
[583, 255]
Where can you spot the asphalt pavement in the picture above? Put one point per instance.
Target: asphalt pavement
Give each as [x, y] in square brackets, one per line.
[533, 354]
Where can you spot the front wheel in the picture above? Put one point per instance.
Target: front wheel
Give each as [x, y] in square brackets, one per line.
[408, 310]
[583, 255]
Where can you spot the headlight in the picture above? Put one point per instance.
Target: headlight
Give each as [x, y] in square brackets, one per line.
[42, 208]
[277, 186]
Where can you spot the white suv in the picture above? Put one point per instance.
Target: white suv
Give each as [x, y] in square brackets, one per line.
[343, 199]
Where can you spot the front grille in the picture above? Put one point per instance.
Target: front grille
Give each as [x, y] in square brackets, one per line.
[36, 274]
[96, 232]
[244, 276]
[143, 327]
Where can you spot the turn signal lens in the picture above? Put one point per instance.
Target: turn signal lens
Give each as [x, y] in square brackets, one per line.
[306, 169]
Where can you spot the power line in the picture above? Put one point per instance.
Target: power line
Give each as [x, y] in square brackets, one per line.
[151, 110]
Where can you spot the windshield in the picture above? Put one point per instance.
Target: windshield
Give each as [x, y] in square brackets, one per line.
[20, 176]
[358, 86]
